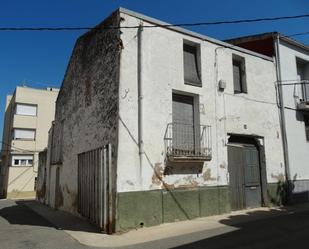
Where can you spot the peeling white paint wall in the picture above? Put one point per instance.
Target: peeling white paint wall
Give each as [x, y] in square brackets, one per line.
[162, 73]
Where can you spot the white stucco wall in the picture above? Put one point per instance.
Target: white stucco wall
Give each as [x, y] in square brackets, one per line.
[298, 147]
[162, 73]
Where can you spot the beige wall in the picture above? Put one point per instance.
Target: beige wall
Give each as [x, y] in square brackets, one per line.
[22, 178]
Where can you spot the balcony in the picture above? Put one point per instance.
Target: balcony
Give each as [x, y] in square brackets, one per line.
[188, 143]
[303, 104]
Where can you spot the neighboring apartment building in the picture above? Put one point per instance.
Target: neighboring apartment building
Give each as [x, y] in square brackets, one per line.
[162, 124]
[28, 116]
[292, 83]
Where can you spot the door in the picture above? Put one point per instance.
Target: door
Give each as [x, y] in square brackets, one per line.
[183, 124]
[235, 164]
[245, 183]
[252, 177]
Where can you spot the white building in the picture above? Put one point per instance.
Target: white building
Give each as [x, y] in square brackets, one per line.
[293, 91]
[191, 126]
[28, 116]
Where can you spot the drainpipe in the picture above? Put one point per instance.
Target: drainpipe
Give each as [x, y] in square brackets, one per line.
[140, 100]
[282, 114]
[216, 67]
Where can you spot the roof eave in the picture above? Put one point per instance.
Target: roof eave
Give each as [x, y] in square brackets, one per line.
[193, 34]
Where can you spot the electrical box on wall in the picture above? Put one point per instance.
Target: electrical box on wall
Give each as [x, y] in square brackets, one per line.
[222, 85]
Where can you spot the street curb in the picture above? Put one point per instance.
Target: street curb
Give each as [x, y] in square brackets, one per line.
[86, 234]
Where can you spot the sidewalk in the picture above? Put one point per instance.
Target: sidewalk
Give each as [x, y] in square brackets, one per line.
[173, 234]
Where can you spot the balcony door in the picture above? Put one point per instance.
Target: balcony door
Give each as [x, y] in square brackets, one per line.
[183, 125]
[303, 77]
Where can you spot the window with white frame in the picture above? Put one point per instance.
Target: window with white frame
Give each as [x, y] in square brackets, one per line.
[24, 134]
[26, 109]
[22, 160]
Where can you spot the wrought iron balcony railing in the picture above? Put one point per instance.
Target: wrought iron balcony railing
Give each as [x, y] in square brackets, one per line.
[188, 142]
[303, 105]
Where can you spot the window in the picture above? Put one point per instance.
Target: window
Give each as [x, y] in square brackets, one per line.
[24, 134]
[303, 77]
[25, 109]
[306, 119]
[22, 160]
[191, 63]
[239, 74]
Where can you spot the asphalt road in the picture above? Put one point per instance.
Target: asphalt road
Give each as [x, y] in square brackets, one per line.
[22, 228]
[289, 231]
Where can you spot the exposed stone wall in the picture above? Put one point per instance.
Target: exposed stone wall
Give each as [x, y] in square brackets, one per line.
[87, 106]
[41, 178]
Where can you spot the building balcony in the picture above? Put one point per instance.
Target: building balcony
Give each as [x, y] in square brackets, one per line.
[188, 143]
[303, 104]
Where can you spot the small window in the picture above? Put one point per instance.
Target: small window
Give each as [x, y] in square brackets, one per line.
[26, 109]
[22, 160]
[191, 63]
[306, 119]
[239, 74]
[24, 134]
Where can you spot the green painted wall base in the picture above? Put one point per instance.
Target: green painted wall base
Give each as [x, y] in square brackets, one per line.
[149, 208]
[276, 193]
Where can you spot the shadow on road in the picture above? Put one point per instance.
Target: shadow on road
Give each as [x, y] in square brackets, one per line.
[261, 230]
[18, 214]
[32, 213]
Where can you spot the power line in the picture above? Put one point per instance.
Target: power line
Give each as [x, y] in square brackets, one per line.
[154, 25]
[298, 34]
[16, 148]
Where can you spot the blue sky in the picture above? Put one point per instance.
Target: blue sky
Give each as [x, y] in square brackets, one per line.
[40, 58]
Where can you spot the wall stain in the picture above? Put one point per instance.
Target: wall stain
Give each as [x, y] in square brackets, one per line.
[168, 186]
[130, 183]
[222, 166]
[72, 195]
[59, 199]
[157, 174]
[278, 177]
[88, 92]
[66, 188]
[191, 183]
[40, 193]
[186, 182]
[75, 199]
[207, 176]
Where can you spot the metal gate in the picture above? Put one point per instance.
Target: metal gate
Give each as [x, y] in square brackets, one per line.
[95, 199]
